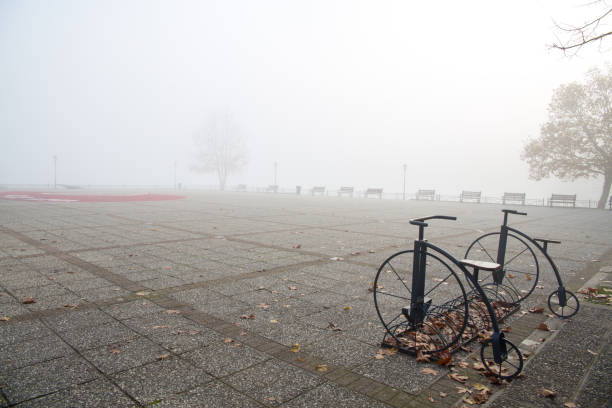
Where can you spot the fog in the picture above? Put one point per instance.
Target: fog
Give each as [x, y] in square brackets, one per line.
[336, 92]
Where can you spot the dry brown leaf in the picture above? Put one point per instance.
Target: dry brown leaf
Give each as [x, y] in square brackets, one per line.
[28, 301]
[430, 398]
[479, 366]
[4, 319]
[459, 378]
[295, 347]
[159, 327]
[543, 327]
[115, 351]
[548, 393]
[292, 287]
[569, 405]
[163, 356]
[347, 308]
[379, 356]
[444, 358]
[322, 368]
[262, 306]
[464, 364]
[536, 310]
[429, 371]
[591, 352]
[298, 246]
[480, 397]
[300, 359]
[528, 277]
[469, 401]
[248, 317]
[463, 390]
[481, 387]
[511, 276]
[443, 394]
[274, 321]
[422, 358]
[228, 340]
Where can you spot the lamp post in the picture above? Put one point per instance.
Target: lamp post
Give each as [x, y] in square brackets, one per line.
[405, 166]
[55, 171]
[175, 174]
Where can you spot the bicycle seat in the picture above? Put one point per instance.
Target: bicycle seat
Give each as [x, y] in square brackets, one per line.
[482, 265]
[549, 241]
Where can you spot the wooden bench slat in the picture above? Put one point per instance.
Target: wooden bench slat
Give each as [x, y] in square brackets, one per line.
[375, 191]
[470, 195]
[426, 194]
[563, 199]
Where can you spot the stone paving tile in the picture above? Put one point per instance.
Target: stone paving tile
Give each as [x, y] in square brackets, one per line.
[13, 332]
[30, 352]
[131, 309]
[84, 338]
[12, 308]
[273, 382]
[75, 319]
[119, 356]
[212, 395]
[94, 394]
[341, 350]
[329, 394]
[160, 379]
[399, 371]
[46, 377]
[221, 358]
[185, 338]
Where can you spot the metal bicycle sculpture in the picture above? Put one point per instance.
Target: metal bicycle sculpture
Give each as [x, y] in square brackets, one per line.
[520, 270]
[426, 309]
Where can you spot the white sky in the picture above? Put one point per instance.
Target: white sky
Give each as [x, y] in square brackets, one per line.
[337, 92]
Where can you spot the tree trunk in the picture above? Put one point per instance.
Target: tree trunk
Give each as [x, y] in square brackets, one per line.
[603, 200]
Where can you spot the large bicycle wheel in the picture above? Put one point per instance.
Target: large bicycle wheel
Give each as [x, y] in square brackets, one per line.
[521, 268]
[511, 362]
[446, 304]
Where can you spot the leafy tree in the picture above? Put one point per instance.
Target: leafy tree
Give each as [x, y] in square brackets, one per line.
[220, 148]
[576, 142]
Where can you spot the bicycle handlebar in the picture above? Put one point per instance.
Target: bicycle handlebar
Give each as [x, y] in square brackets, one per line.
[421, 221]
[513, 212]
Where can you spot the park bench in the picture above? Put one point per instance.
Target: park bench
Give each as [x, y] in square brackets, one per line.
[426, 195]
[241, 187]
[563, 199]
[319, 190]
[272, 189]
[374, 191]
[519, 197]
[470, 195]
[346, 190]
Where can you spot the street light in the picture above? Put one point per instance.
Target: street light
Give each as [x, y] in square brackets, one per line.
[405, 166]
[55, 171]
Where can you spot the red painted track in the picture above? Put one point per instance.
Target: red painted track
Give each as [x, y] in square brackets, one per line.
[84, 198]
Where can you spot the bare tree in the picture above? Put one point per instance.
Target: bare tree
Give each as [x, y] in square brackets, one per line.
[572, 38]
[576, 142]
[220, 148]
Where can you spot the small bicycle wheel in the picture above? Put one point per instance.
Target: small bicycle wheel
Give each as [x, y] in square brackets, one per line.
[511, 361]
[521, 268]
[571, 304]
[445, 311]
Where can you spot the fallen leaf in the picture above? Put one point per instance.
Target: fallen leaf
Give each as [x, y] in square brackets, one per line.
[271, 399]
[336, 258]
[421, 357]
[464, 364]
[429, 371]
[536, 310]
[459, 378]
[430, 398]
[159, 327]
[295, 347]
[171, 311]
[507, 329]
[322, 368]
[274, 321]
[591, 352]
[543, 327]
[28, 301]
[469, 401]
[297, 246]
[481, 387]
[528, 277]
[4, 319]
[443, 394]
[292, 287]
[379, 356]
[347, 308]
[463, 390]
[300, 359]
[115, 351]
[569, 405]
[511, 276]
[163, 356]
[262, 306]
[228, 340]
[480, 397]
[478, 366]
[548, 393]
[248, 317]
[143, 293]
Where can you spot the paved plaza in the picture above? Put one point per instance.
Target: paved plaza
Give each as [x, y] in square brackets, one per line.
[250, 300]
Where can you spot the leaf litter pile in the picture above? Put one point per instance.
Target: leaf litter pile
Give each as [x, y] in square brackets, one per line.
[430, 339]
